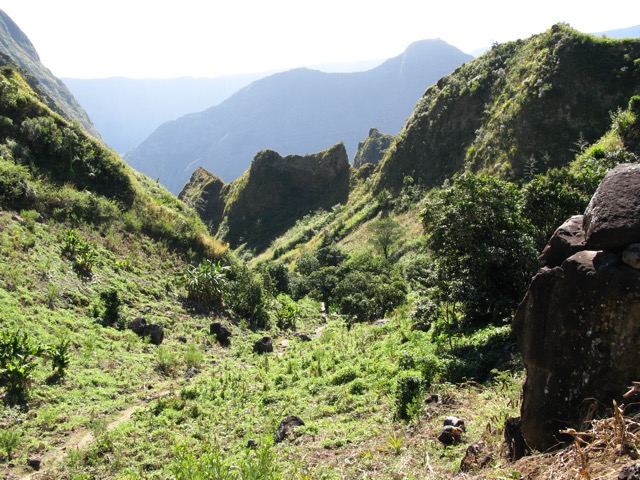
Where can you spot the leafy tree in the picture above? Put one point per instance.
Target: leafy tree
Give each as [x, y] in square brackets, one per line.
[482, 245]
[385, 233]
[368, 288]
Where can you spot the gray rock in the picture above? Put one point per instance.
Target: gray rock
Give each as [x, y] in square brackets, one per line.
[153, 331]
[565, 241]
[34, 462]
[578, 328]
[612, 219]
[630, 472]
[221, 332]
[264, 345]
[191, 372]
[450, 435]
[287, 428]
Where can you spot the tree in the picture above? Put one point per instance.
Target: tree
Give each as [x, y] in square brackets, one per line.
[386, 233]
[482, 245]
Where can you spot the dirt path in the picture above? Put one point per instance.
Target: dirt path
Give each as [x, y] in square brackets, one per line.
[83, 437]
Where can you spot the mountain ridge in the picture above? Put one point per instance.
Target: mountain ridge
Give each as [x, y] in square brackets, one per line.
[293, 112]
[15, 43]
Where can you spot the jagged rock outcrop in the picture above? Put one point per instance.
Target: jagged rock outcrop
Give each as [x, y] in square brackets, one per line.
[579, 324]
[372, 149]
[204, 193]
[271, 196]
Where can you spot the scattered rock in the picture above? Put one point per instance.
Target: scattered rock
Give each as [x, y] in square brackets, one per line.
[34, 462]
[631, 255]
[455, 422]
[221, 332]
[382, 322]
[630, 472]
[303, 337]
[612, 218]
[450, 435]
[476, 457]
[252, 444]
[191, 372]
[154, 331]
[287, 427]
[264, 345]
[435, 398]
[516, 446]
[182, 339]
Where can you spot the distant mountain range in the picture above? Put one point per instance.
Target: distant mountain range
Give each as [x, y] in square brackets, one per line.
[127, 110]
[294, 112]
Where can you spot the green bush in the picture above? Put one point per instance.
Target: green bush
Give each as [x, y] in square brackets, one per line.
[205, 282]
[81, 253]
[286, 312]
[18, 355]
[408, 394]
[111, 309]
[244, 295]
[10, 439]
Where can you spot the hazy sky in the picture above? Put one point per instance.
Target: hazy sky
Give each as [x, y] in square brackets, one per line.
[163, 38]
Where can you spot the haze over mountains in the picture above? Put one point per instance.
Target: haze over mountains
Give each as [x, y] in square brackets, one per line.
[127, 110]
[295, 112]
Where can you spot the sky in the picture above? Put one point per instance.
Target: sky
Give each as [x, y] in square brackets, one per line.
[212, 38]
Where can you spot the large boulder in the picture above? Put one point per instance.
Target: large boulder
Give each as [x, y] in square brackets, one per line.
[579, 331]
[579, 324]
[612, 219]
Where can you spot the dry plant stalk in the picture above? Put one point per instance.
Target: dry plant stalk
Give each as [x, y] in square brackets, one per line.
[614, 435]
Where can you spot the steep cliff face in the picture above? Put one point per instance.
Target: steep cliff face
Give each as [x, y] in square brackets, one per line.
[278, 190]
[522, 103]
[271, 196]
[17, 46]
[372, 149]
[204, 193]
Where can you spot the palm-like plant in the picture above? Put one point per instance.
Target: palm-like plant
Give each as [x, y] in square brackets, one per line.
[205, 282]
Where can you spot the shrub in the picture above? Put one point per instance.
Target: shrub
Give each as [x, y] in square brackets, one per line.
[111, 311]
[80, 251]
[346, 375]
[60, 358]
[286, 312]
[9, 440]
[245, 297]
[205, 282]
[18, 354]
[408, 393]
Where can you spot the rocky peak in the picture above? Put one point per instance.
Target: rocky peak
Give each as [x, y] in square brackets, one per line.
[372, 149]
